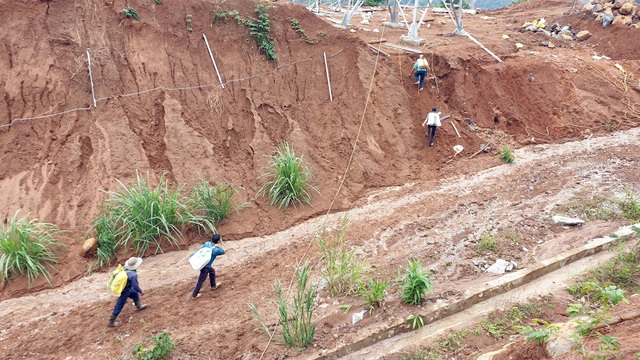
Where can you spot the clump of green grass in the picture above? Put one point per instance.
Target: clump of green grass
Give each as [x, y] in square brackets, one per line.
[212, 202]
[140, 216]
[28, 248]
[414, 283]
[130, 12]
[287, 180]
[342, 269]
[506, 155]
[623, 270]
[487, 242]
[498, 324]
[295, 321]
[373, 292]
[159, 350]
[630, 207]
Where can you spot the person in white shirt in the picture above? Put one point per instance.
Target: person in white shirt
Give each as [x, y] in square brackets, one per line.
[433, 123]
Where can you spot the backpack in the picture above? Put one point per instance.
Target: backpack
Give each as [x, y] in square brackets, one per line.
[118, 280]
[200, 258]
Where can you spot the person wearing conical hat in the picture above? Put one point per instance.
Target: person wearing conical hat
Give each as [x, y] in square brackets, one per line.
[131, 290]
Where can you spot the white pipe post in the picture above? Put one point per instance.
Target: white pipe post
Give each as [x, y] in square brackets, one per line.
[212, 60]
[93, 93]
[328, 79]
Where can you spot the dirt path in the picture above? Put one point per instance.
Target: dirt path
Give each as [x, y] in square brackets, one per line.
[438, 222]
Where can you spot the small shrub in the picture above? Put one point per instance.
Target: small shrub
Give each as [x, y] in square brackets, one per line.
[159, 350]
[342, 269]
[130, 12]
[374, 292]
[506, 155]
[287, 181]
[212, 202]
[630, 207]
[539, 335]
[27, 248]
[415, 283]
[487, 242]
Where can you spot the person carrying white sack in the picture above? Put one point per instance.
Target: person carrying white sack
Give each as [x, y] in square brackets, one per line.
[208, 270]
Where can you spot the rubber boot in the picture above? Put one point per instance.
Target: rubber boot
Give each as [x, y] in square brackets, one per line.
[112, 321]
[139, 306]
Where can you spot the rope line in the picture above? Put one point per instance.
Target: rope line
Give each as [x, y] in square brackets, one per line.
[162, 87]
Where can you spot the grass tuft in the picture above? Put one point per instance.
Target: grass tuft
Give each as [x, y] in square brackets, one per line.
[212, 202]
[342, 268]
[506, 155]
[415, 283]
[287, 181]
[27, 248]
[141, 216]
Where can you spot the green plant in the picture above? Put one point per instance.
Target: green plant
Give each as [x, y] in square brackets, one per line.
[499, 324]
[513, 2]
[415, 321]
[142, 216]
[342, 269]
[159, 350]
[259, 28]
[373, 292]
[538, 335]
[287, 181]
[630, 207]
[295, 25]
[130, 12]
[346, 309]
[415, 282]
[506, 155]
[27, 248]
[297, 328]
[159, 2]
[598, 299]
[212, 202]
[487, 242]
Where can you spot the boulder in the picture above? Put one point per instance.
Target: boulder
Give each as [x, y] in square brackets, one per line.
[626, 9]
[618, 4]
[563, 220]
[608, 11]
[607, 19]
[583, 35]
[566, 37]
[588, 7]
[624, 20]
[562, 341]
[89, 247]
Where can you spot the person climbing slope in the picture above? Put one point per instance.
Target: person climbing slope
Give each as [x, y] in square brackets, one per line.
[433, 123]
[420, 68]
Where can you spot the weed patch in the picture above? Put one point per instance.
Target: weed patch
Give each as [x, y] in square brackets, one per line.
[415, 282]
[487, 242]
[212, 202]
[506, 155]
[160, 348]
[342, 269]
[130, 12]
[27, 248]
[259, 28]
[287, 181]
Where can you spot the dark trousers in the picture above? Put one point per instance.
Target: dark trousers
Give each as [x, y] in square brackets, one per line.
[431, 133]
[420, 75]
[126, 294]
[207, 270]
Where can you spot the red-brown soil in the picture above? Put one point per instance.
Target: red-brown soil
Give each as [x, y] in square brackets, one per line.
[407, 200]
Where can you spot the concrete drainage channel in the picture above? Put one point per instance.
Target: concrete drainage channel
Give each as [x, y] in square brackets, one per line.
[399, 335]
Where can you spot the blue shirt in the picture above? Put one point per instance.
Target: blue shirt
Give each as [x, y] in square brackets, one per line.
[214, 252]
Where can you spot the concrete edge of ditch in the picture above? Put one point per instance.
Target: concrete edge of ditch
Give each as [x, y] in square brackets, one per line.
[474, 296]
